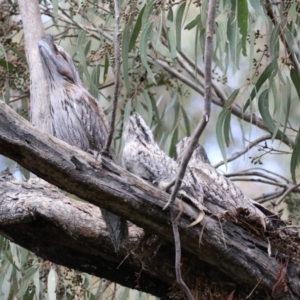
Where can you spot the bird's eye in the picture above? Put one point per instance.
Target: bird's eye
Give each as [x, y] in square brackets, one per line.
[67, 77]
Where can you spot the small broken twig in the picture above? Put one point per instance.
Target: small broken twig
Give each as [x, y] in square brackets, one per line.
[238, 154]
[178, 255]
[287, 192]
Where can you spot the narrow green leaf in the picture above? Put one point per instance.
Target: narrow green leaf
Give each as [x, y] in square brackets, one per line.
[265, 75]
[126, 115]
[147, 12]
[174, 140]
[176, 109]
[295, 157]
[171, 38]
[87, 47]
[3, 51]
[52, 282]
[106, 66]
[5, 279]
[13, 258]
[170, 16]
[19, 53]
[179, 17]
[81, 48]
[222, 133]
[293, 12]
[263, 107]
[140, 108]
[80, 52]
[226, 128]
[231, 98]
[149, 106]
[156, 37]
[196, 42]
[274, 42]
[30, 294]
[136, 30]
[273, 88]
[296, 80]
[258, 8]
[242, 16]
[6, 64]
[192, 24]
[146, 33]
[155, 110]
[7, 94]
[186, 121]
[95, 79]
[288, 105]
[55, 9]
[27, 278]
[125, 46]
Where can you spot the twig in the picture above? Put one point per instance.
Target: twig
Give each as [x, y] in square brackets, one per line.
[287, 192]
[260, 181]
[284, 40]
[254, 289]
[267, 171]
[267, 197]
[253, 173]
[251, 145]
[207, 99]
[117, 76]
[178, 255]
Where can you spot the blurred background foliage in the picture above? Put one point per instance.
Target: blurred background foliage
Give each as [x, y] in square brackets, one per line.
[253, 132]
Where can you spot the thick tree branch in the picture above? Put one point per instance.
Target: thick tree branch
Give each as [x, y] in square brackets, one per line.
[242, 254]
[36, 215]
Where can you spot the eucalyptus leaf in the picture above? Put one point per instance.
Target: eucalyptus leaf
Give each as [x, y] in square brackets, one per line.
[51, 284]
[146, 34]
[268, 72]
[136, 30]
[295, 158]
[125, 58]
[242, 17]
[179, 17]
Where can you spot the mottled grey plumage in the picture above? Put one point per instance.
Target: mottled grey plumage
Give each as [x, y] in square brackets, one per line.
[76, 117]
[143, 157]
[199, 153]
[217, 188]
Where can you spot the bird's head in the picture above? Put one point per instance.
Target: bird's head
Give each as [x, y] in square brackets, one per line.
[136, 129]
[58, 65]
[199, 153]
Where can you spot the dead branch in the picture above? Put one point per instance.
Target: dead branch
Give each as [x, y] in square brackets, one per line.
[229, 246]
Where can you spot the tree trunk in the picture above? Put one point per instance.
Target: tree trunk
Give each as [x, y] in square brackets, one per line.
[34, 31]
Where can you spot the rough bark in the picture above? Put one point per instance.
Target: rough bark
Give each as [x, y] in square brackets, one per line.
[37, 216]
[234, 248]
